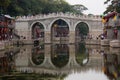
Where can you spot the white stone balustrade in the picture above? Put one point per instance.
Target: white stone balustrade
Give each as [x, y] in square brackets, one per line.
[51, 15]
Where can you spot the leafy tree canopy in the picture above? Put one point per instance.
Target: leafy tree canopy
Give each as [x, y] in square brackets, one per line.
[33, 7]
[78, 8]
[114, 6]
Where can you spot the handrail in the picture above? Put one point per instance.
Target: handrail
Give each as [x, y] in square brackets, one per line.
[50, 15]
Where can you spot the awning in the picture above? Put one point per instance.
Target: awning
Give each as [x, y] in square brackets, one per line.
[8, 16]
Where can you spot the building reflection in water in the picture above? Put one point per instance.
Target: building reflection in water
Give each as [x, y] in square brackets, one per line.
[112, 66]
[38, 55]
[7, 61]
[59, 61]
[60, 55]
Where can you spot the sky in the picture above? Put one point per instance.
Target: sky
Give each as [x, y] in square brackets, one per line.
[87, 75]
[95, 7]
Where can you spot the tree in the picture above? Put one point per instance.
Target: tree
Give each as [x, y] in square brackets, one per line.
[4, 4]
[33, 7]
[79, 8]
[114, 6]
[83, 28]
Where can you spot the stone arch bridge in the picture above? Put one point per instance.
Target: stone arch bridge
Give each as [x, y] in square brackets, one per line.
[56, 27]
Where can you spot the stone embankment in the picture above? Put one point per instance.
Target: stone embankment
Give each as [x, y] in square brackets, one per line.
[104, 42]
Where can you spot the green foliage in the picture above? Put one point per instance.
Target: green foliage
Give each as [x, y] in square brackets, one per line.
[81, 53]
[3, 5]
[78, 9]
[82, 48]
[33, 7]
[114, 6]
[83, 28]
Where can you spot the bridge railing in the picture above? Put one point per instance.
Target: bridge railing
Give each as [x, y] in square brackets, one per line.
[69, 15]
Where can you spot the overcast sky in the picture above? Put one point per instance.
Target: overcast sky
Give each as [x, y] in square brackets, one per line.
[96, 7]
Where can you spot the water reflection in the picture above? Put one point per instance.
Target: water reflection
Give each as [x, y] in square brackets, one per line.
[112, 66]
[87, 75]
[60, 55]
[82, 56]
[7, 63]
[38, 55]
[60, 61]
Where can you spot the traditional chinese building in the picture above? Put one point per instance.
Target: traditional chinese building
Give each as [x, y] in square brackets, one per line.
[111, 29]
[6, 27]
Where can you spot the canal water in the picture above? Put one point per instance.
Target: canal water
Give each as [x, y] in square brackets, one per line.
[60, 62]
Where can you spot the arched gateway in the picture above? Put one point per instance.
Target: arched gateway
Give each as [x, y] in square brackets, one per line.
[57, 27]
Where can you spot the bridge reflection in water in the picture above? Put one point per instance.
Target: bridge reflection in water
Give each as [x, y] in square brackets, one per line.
[60, 61]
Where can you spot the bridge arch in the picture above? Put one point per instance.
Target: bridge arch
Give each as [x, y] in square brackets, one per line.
[37, 22]
[60, 30]
[82, 22]
[50, 26]
[37, 30]
[81, 30]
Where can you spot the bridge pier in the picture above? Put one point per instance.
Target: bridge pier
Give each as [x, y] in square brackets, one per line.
[72, 37]
[47, 37]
